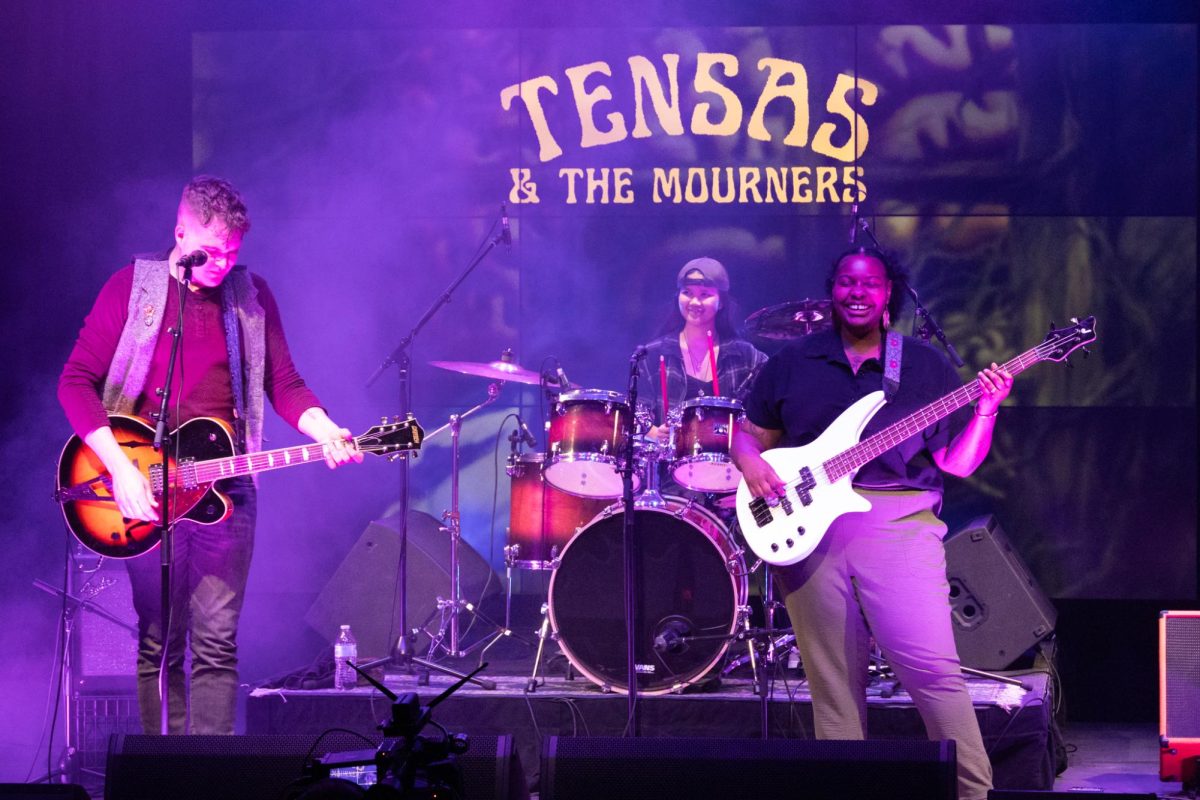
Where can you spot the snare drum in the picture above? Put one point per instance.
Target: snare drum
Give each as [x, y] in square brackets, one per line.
[587, 442]
[542, 519]
[703, 442]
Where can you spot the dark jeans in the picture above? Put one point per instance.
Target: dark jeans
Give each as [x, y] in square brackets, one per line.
[208, 584]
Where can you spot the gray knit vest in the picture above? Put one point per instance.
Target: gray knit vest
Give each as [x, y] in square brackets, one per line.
[126, 378]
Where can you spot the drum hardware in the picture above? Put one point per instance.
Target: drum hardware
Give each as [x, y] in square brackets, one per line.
[451, 608]
[791, 320]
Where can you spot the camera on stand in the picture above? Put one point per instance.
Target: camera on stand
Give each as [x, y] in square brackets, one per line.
[405, 765]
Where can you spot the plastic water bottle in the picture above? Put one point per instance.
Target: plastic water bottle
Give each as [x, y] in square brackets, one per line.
[345, 649]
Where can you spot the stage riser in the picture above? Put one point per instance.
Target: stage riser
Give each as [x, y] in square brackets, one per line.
[1020, 743]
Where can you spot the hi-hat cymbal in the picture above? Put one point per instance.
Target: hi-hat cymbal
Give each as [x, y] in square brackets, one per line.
[790, 320]
[496, 370]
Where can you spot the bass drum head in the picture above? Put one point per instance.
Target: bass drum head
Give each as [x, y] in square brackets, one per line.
[692, 584]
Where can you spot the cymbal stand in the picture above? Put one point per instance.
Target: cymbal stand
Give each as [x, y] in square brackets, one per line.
[455, 605]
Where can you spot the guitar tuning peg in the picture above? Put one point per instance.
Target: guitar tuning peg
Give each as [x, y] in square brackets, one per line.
[395, 419]
[383, 420]
[1074, 320]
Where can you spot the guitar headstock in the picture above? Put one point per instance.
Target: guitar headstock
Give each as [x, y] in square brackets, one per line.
[392, 436]
[1061, 342]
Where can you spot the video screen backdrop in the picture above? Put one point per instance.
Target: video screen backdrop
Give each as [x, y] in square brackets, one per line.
[1025, 174]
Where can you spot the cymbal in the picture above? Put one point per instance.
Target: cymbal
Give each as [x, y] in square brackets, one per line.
[790, 320]
[496, 370]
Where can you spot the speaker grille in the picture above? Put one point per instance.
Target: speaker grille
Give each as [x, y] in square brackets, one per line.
[1181, 685]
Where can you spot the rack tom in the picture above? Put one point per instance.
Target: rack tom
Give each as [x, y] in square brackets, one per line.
[587, 442]
[703, 443]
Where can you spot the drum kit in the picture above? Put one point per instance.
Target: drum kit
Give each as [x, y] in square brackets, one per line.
[567, 518]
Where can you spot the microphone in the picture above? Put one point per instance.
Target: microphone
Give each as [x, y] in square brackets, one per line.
[639, 352]
[526, 436]
[505, 230]
[853, 223]
[562, 379]
[195, 258]
[669, 638]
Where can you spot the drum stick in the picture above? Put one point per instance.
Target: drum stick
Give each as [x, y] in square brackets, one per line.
[712, 360]
[662, 379]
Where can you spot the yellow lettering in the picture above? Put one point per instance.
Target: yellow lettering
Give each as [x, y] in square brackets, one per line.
[571, 173]
[666, 184]
[585, 103]
[856, 142]
[597, 184]
[700, 193]
[776, 185]
[705, 83]
[646, 78]
[623, 185]
[717, 195]
[796, 90]
[827, 184]
[748, 177]
[800, 181]
[528, 92]
[850, 177]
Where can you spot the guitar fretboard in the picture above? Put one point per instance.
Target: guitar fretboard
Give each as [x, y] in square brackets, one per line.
[852, 458]
[250, 463]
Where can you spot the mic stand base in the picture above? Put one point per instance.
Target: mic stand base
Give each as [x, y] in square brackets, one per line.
[429, 666]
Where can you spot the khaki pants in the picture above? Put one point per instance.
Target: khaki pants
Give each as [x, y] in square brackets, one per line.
[883, 573]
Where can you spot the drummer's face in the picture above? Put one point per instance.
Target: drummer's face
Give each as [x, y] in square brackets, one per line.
[699, 305]
[861, 291]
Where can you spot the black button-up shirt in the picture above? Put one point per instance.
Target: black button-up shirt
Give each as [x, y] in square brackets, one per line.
[804, 388]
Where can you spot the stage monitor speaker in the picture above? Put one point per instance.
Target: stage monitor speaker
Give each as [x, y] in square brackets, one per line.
[42, 791]
[364, 591]
[998, 609]
[1179, 696]
[1031, 794]
[582, 768]
[258, 767]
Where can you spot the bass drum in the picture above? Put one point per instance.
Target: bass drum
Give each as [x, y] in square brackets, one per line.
[693, 584]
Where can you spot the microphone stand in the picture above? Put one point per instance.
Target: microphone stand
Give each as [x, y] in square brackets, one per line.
[402, 657]
[162, 445]
[630, 552]
[928, 328]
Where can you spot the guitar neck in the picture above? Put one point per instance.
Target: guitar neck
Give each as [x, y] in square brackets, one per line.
[852, 459]
[264, 461]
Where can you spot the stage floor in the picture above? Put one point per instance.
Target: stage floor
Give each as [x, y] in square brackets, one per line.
[1017, 724]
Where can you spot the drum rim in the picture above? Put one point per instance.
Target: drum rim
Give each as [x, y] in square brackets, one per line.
[607, 395]
[718, 459]
[718, 402]
[739, 581]
[583, 457]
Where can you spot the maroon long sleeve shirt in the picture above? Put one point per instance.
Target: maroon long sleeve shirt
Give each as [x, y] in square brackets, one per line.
[201, 386]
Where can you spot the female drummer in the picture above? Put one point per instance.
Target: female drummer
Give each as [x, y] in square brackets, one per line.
[702, 307]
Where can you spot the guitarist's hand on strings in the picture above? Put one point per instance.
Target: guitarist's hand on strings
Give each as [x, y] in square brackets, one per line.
[130, 488]
[994, 385]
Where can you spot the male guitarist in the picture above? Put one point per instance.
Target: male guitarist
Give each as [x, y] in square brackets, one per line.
[119, 364]
[880, 572]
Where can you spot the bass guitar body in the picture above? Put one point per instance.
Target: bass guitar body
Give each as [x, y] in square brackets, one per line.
[85, 487]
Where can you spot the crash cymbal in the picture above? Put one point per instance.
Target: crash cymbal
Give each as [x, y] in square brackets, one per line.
[503, 370]
[790, 320]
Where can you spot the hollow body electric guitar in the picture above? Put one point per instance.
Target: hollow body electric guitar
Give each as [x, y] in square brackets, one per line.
[818, 475]
[206, 455]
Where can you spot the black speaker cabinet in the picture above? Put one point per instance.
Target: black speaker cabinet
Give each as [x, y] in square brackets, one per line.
[105, 652]
[999, 611]
[581, 768]
[40, 791]
[1179, 696]
[262, 767]
[364, 591]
